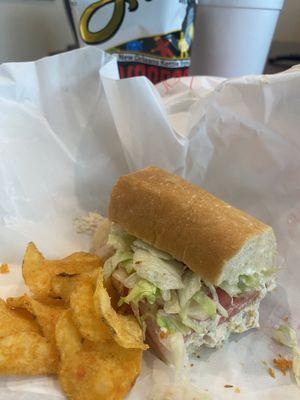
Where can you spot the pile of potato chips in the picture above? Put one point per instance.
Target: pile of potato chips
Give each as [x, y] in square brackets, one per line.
[70, 328]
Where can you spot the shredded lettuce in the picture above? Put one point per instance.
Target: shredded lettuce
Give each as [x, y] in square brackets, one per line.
[120, 274]
[121, 242]
[178, 355]
[128, 265]
[111, 263]
[232, 290]
[192, 283]
[286, 336]
[140, 244]
[143, 290]
[131, 280]
[206, 304]
[250, 282]
[155, 277]
[296, 365]
[193, 324]
[245, 283]
[162, 273]
[172, 306]
[166, 295]
[171, 323]
[119, 239]
[214, 294]
[193, 310]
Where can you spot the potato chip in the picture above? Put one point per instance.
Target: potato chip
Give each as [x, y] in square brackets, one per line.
[94, 371]
[85, 376]
[38, 272]
[67, 336]
[125, 329]
[112, 292]
[16, 321]
[46, 315]
[4, 269]
[84, 314]
[27, 353]
[63, 284]
[23, 350]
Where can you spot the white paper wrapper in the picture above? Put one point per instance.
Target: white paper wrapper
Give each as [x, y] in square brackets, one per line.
[69, 128]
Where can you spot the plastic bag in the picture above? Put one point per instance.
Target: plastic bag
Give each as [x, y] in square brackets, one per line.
[149, 37]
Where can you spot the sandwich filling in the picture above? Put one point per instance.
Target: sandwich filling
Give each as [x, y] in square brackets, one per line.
[174, 306]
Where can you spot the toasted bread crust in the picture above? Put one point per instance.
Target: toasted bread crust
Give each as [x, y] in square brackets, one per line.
[182, 219]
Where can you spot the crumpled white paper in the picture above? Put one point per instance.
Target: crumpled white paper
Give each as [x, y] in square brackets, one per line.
[69, 127]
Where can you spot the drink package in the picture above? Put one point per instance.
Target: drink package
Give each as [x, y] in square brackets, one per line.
[148, 37]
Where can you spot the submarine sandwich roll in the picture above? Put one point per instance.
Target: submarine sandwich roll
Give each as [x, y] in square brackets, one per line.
[192, 268]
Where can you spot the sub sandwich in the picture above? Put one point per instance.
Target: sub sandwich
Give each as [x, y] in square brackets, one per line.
[192, 268]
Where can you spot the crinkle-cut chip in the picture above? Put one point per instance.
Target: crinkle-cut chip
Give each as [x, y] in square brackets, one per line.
[84, 313]
[16, 321]
[38, 272]
[63, 284]
[94, 371]
[125, 329]
[27, 353]
[47, 313]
